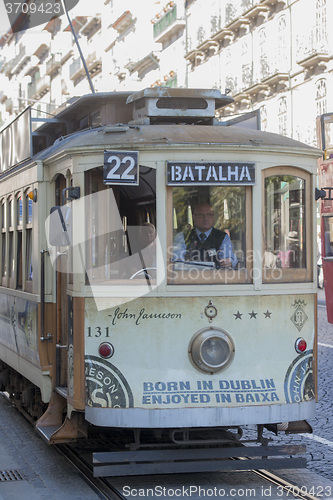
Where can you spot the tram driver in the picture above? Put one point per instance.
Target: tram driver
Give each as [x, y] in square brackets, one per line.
[204, 242]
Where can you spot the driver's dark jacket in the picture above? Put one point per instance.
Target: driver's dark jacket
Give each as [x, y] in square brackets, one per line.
[198, 250]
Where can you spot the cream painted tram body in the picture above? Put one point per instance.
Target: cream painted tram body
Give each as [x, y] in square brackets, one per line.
[107, 330]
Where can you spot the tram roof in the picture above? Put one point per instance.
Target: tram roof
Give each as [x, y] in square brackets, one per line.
[135, 120]
[142, 136]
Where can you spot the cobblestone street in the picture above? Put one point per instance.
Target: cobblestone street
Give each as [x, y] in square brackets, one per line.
[319, 445]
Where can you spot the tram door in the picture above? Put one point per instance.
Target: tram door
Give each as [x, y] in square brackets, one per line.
[62, 306]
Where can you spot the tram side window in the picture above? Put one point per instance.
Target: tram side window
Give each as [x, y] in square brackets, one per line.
[19, 216]
[210, 235]
[11, 258]
[3, 240]
[28, 242]
[328, 236]
[121, 229]
[16, 242]
[286, 252]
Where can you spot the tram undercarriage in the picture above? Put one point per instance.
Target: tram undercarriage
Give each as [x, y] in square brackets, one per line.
[157, 451]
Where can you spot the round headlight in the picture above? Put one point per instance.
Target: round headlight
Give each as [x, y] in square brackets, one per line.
[211, 350]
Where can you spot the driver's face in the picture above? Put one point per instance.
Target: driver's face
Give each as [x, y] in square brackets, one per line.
[203, 217]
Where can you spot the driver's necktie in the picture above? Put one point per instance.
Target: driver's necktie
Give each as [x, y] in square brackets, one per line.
[202, 237]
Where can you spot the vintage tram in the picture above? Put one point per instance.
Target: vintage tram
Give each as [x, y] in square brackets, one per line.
[115, 315]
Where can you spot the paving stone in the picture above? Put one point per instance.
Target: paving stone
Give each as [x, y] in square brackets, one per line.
[47, 475]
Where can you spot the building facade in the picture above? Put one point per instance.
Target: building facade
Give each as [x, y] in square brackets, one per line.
[275, 56]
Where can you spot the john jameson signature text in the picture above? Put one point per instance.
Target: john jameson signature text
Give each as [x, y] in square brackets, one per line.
[141, 315]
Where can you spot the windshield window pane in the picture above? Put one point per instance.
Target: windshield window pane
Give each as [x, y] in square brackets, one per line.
[208, 234]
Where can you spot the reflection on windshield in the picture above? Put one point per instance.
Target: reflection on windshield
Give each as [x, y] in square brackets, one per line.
[209, 229]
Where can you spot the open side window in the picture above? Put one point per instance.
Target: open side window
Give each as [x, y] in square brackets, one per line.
[287, 226]
[121, 229]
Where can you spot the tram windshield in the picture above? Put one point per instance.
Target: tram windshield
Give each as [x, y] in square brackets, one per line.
[209, 234]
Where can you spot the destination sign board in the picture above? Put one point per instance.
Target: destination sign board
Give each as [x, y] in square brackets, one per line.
[208, 173]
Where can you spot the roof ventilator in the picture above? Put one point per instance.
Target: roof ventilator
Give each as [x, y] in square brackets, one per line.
[175, 105]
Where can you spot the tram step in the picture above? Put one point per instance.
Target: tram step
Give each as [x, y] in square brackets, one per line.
[47, 431]
[134, 463]
[63, 391]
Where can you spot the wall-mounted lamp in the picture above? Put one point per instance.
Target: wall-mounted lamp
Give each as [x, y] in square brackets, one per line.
[321, 193]
[33, 195]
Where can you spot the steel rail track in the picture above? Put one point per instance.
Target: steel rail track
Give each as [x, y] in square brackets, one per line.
[106, 490]
[102, 487]
[279, 481]
[286, 485]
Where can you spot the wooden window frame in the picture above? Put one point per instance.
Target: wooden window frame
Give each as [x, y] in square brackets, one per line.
[290, 275]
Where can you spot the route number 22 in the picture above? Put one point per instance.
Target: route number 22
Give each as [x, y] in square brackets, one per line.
[120, 167]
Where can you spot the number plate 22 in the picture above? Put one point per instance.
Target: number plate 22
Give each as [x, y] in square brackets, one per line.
[121, 167]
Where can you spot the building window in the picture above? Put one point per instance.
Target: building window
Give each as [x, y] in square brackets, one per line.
[263, 61]
[321, 30]
[321, 97]
[200, 35]
[19, 211]
[215, 23]
[230, 11]
[263, 118]
[282, 42]
[282, 114]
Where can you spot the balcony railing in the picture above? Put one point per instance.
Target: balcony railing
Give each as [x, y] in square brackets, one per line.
[9, 105]
[76, 69]
[167, 25]
[165, 21]
[31, 89]
[43, 85]
[53, 64]
[20, 60]
[92, 25]
[38, 88]
[94, 62]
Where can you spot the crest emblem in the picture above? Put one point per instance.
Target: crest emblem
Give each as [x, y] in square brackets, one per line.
[299, 316]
